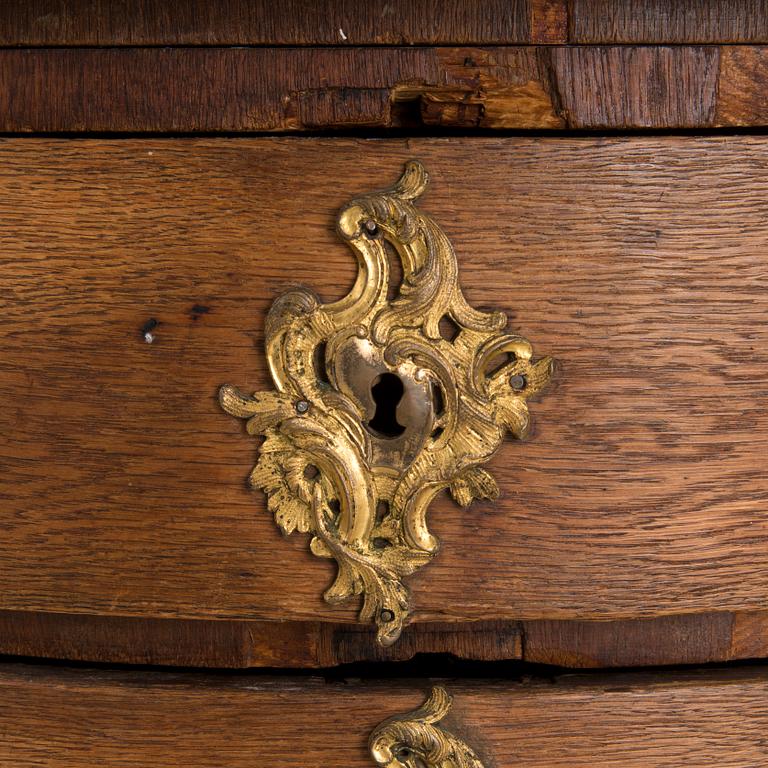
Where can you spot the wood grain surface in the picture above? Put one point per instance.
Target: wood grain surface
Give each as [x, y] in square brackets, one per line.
[639, 264]
[667, 21]
[288, 22]
[310, 89]
[365, 22]
[663, 640]
[281, 644]
[81, 718]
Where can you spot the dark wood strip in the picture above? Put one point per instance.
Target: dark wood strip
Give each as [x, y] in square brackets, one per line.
[241, 644]
[137, 640]
[637, 87]
[301, 89]
[93, 718]
[366, 22]
[689, 639]
[287, 22]
[668, 21]
[665, 640]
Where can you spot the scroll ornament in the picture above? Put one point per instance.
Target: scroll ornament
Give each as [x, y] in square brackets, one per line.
[361, 485]
[416, 740]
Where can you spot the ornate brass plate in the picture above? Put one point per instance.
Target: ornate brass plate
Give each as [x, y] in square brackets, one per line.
[376, 408]
[414, 740]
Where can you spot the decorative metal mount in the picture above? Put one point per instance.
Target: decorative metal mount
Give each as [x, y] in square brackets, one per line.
[414, 739]
[379, 404]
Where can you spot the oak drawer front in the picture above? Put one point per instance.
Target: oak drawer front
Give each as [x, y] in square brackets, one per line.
[638, 263]
[59, 717]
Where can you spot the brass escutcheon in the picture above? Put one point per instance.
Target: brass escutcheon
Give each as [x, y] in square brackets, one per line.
[376, 409]
[415, 739]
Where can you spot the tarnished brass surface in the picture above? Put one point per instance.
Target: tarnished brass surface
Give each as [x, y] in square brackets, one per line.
[360, 484]
[414, 740]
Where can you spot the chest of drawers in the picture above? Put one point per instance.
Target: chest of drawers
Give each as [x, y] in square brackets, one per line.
[166, 176]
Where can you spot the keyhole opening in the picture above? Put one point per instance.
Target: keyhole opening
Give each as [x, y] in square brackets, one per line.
[387, 391]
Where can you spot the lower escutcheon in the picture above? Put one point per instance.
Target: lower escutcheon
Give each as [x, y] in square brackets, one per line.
[415, 739]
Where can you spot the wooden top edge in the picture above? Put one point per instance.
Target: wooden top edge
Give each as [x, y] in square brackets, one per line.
[471, 89]
[290, 22]
[400, 22]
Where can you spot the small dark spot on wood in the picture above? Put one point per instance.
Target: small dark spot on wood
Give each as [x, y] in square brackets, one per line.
[469, 62]
[146, 330]
[198, 310]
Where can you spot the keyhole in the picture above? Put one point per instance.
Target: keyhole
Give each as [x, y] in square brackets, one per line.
[387, 391]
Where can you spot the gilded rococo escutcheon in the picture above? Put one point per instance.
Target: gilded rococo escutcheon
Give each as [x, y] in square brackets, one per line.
[381, 403]
[417, 740]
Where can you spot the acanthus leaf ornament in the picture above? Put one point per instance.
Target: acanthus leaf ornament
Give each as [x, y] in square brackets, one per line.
[415, 739]
[331, 465]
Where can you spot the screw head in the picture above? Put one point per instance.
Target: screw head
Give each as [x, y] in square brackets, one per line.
[517, 383]
[371, 227]
[386, 615]
[302, 406]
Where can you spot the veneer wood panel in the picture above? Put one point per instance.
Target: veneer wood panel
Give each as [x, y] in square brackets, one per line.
[187, 90]
[664, 22]
[638, 263]
[58, 717]
[288, 22]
